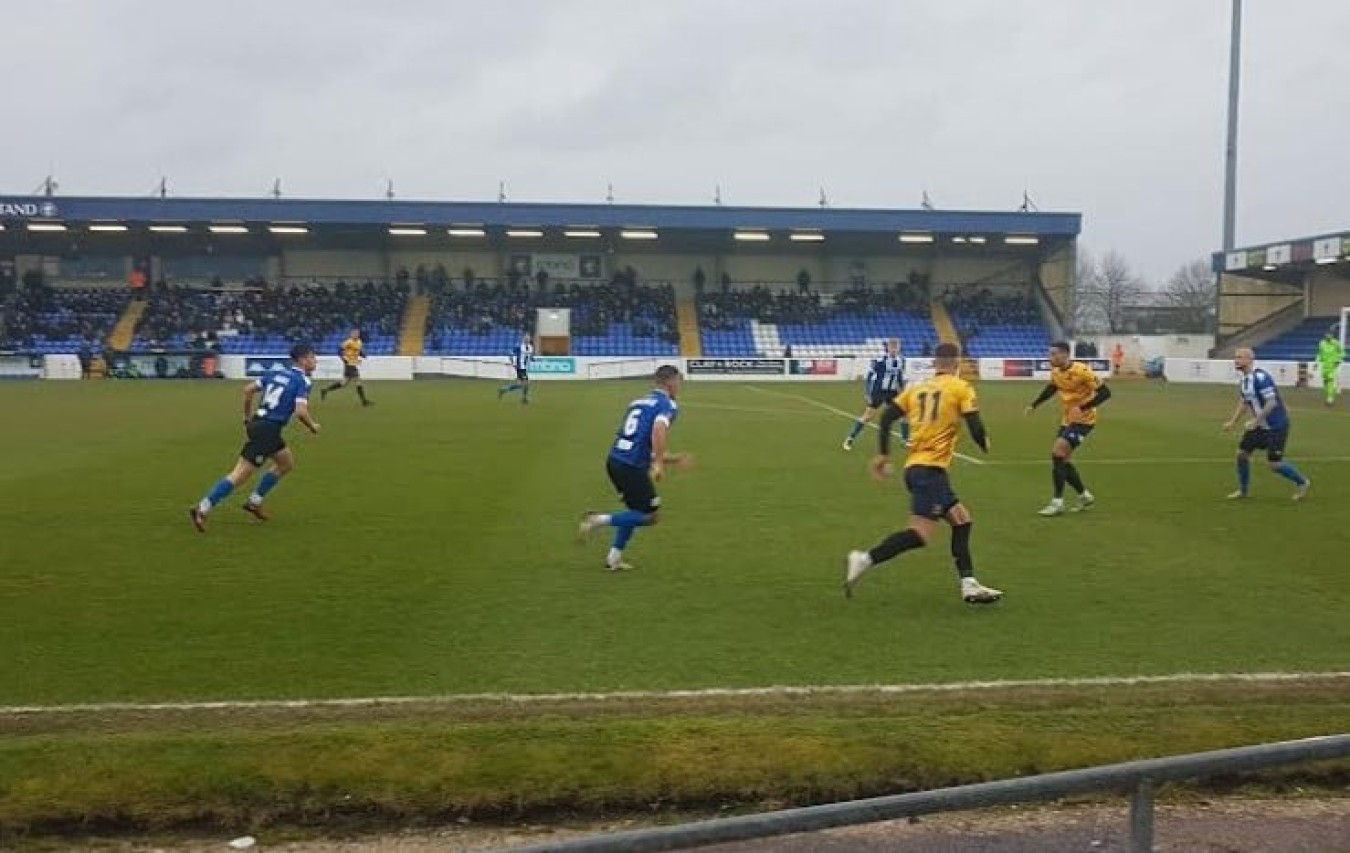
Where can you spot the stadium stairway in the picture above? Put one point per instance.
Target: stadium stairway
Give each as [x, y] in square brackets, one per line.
[691, 339]
[124, 331]
[947, 334]
[412, 335]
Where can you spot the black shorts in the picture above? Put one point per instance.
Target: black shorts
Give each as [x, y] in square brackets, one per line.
[1075, 434]
[634, 485]
[1272, 441]
[879, 399]
[930, 491]
[522, 375]
[264, 442]
[351, 371]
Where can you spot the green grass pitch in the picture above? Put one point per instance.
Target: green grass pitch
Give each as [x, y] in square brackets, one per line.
[426, 547]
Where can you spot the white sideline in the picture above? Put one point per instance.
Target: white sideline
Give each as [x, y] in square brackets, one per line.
[827, 407]
[708, 693]
[1135, 460]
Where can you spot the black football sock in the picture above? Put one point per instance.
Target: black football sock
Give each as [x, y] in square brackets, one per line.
[1072, 478]
[896, 544]
[1058, 475]
[361, 392]
[334, 387]
[965, 564]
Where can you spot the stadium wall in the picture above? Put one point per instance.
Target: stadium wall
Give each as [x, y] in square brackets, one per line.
[1244, 301]
[1327, 293]
[1288, 374]
[351, 266]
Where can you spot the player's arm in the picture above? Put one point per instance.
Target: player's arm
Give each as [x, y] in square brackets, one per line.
[889, 416]
[1237, 413]
[303, 416]
[661, 455]
[1046, 393]
[1102, 394]
[978, 434]
[250, 394]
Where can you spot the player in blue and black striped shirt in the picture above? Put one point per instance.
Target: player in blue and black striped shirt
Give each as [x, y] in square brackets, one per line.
[885, 379]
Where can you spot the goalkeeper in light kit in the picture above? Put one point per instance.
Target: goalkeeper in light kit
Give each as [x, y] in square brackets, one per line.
[1330, 354]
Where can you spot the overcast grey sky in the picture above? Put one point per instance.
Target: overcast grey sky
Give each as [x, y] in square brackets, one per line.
[1114, 108]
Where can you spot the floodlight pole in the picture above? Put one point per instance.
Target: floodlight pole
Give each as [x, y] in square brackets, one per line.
[1230, 159]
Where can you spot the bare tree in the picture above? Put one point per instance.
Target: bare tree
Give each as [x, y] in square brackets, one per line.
[1106, 287]
[1191, 291]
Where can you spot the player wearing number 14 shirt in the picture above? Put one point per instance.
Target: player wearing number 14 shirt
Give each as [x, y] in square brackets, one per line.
[280, 395]
[637, 461]
[936, 409]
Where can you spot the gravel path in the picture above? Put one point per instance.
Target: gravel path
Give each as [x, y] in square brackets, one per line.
[1222, 826]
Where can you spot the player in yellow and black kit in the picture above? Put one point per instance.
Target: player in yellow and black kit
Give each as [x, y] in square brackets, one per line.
[935, 409]
[352, 353]
[1080, 391]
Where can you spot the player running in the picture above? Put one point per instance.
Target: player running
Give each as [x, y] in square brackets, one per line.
[353, 351]
[521, 356]
[637, 461]
[281, 394]
[1267, 427]
[885, 378]
[935, 408]
[1080, 391]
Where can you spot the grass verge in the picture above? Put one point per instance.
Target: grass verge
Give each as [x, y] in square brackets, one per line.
[75, 773]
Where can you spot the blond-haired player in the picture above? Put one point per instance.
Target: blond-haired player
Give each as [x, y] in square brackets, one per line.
[935, 408]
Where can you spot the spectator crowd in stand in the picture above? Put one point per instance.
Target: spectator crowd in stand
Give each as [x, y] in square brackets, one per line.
[803, 306]
[178, 315]
[36, 311]
[483, 307]
[974, 309]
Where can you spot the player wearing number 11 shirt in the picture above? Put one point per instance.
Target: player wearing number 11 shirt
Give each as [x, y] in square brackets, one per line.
[637, 461]
[935, 408]
[280, 395]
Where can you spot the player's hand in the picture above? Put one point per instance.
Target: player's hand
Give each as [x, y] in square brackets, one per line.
[881, 468]
[314, 427]
[1228, 426]
[1250, 425]
[1028, 410]
[684, 461]
[658, 471]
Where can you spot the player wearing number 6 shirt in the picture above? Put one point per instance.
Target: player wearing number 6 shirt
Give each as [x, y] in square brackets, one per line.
[637, 461]
[280, 395]
[936, 408]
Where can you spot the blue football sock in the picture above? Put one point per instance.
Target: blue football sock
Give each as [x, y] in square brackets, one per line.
[904, 429]
[629, 518]
[1289, 472]
[1244, 467]
[507, 389]
[621, 537]
[265, 485]
[857, 428]
[220, 491]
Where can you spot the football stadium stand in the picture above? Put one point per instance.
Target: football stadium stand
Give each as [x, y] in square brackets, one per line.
[1299, 343]
[51, 319]
[265, 320]
[618, 318]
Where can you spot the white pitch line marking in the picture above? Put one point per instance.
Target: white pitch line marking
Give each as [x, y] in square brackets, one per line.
[709, 693]
[827, 407]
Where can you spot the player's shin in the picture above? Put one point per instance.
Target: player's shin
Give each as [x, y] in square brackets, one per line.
[895, 545]
[1058, 475]
[1244, 472]
[219, 492]
[1289, 472]
[965, 564]
[265, 485]
[1071, 477]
